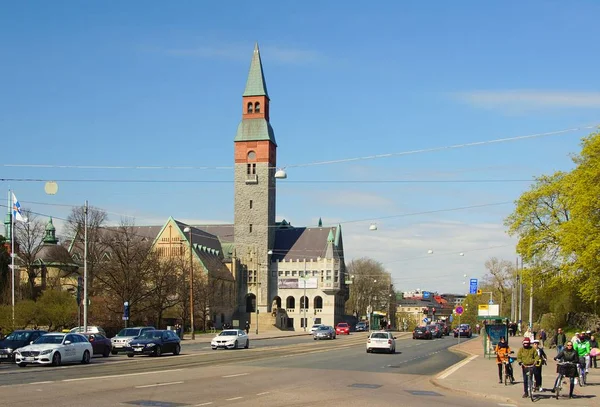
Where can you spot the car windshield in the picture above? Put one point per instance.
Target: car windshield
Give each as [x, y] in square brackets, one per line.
[151, 335]
[54, 339]
[343, 324]
[228, 333]
[323, 328]
[379, 335]
[129, 332]
[18, 336]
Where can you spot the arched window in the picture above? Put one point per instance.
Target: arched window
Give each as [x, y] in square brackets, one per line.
[303, 302]
[318, 301]
[249, 110]
[290, 303]
[257, 107]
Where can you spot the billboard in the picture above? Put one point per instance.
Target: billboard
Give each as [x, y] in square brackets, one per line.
[284, 283]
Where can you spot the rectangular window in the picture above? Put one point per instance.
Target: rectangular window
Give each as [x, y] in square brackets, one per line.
[287, 273]
[251, 204]
[281, 272]
[317, 320]
[253, 169]
[328, 276]
[248, 169]
[250, 228]
[294, 273]
[336, 277]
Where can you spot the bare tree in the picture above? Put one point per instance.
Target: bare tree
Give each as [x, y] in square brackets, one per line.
[29, 236]
[500, 279]
[162, 279]
[5, 284]
[371, 286]
[96, 220]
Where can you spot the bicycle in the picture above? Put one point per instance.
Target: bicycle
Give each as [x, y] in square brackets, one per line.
[530, 380]
[508, 371]
[565, 369]
[581, 374]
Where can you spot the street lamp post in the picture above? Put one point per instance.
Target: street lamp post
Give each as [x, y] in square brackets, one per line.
[189, 230]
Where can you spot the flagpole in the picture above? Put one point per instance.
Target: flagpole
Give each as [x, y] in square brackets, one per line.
[12, 256]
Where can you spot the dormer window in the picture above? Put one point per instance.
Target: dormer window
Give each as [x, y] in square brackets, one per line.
[249, 109]
[257, 107]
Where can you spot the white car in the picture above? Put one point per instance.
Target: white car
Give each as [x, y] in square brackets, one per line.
[55, 348]
[381, 340]
[230, 339]
[314, 328]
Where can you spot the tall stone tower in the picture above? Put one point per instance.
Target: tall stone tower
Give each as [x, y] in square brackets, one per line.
[254, 197]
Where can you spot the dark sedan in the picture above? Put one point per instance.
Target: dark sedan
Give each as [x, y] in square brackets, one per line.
[16, 340]
[100, 343]
[155, 343]
[421, 332]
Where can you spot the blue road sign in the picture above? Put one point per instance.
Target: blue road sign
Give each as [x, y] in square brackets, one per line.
[473, 286]
[426, 294]
[451, 318]
[426, 320]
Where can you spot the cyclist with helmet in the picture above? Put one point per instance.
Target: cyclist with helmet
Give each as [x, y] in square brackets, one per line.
[527, 358]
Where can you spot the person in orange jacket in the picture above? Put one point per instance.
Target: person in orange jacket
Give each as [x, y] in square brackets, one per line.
[503, 355]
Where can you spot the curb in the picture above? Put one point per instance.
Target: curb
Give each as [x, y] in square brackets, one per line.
[438, 384]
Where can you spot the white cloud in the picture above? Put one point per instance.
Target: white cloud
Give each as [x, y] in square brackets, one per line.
[525, 100]
[404, 252]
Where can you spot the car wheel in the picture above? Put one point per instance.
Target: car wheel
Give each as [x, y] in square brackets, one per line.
[106, 352]
[157, 351]
[113, 352]
[130, 355]
[56, 359]
[177, 350]
[235, 345]
[247, 344]
[86, 358]
[21, 364]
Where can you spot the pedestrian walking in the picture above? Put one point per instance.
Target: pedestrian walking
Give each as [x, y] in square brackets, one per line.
[542, 337]
[594, 344]
[247, 327]
[559, 340]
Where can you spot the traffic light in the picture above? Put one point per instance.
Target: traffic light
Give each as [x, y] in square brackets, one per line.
[126, 310]
[425, 311]
[479, 292]
[433, 311]
[79, 289]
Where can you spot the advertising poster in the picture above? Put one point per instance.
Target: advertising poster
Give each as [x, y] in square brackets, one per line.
[495, 331]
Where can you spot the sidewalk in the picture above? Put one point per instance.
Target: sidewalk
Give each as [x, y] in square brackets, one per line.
[478, 376]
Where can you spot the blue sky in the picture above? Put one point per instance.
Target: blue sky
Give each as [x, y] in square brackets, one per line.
[148, 83]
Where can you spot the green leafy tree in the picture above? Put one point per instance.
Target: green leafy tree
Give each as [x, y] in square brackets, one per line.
[56, 310]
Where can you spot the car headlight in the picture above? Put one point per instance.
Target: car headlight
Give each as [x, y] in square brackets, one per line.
[9, 350]
[45, 352]
[149, 345]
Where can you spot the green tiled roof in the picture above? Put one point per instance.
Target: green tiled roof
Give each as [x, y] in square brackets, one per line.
[255, 130]
[256, 85]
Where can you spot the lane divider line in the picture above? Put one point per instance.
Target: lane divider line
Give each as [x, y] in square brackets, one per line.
[157, 385]
[454, 368]
[236, 375]
[234, 398]
[204, 404]
[263, 393]
[120, 375]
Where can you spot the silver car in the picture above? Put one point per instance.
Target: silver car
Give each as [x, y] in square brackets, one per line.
[120, 343]
[324, 332]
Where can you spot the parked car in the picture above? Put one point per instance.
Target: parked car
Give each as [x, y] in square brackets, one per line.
[120, 343]
[155, 343]
[90, 329]
[463, 330]
[230, 339]
[381, 340]
[16, 340]
[421, 332]
[324, 332]
[101, 345]
[314, 328]
[342, 328]
[361, 326]
[55, 348]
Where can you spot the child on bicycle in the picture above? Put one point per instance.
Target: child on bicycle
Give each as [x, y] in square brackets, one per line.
[503, 356]
[527, 358]
[568, 354]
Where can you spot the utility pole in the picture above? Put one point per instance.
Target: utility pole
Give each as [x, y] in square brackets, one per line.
[85, 274]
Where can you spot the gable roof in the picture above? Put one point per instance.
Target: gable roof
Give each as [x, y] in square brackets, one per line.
[304, 243]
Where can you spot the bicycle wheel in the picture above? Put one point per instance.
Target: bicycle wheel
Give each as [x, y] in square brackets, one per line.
[531, 384]
[506, 378]
[558, 387]
[580, 374]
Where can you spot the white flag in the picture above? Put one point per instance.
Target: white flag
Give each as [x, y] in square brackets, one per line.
[17, 214]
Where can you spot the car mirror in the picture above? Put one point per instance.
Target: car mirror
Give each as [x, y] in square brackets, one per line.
[31, 343]
[395, 337]
[67, 342]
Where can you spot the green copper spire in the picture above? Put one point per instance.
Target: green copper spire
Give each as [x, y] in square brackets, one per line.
[256, 85]
[320, 223]
[50, 236]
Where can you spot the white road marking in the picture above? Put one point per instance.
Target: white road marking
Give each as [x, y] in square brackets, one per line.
[233, 398]
[203, 404]
[263, 393]
[508, 405]
[120, 375]
[236, 375]
[157, 385]
[46, 382]
[454, 368]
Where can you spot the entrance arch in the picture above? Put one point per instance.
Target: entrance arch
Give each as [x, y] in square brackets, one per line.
[250, 302]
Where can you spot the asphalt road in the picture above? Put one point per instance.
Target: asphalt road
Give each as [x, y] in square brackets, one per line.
[282, 372]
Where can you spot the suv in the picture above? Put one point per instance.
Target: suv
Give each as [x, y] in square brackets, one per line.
[120, 343]
[463, 330]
